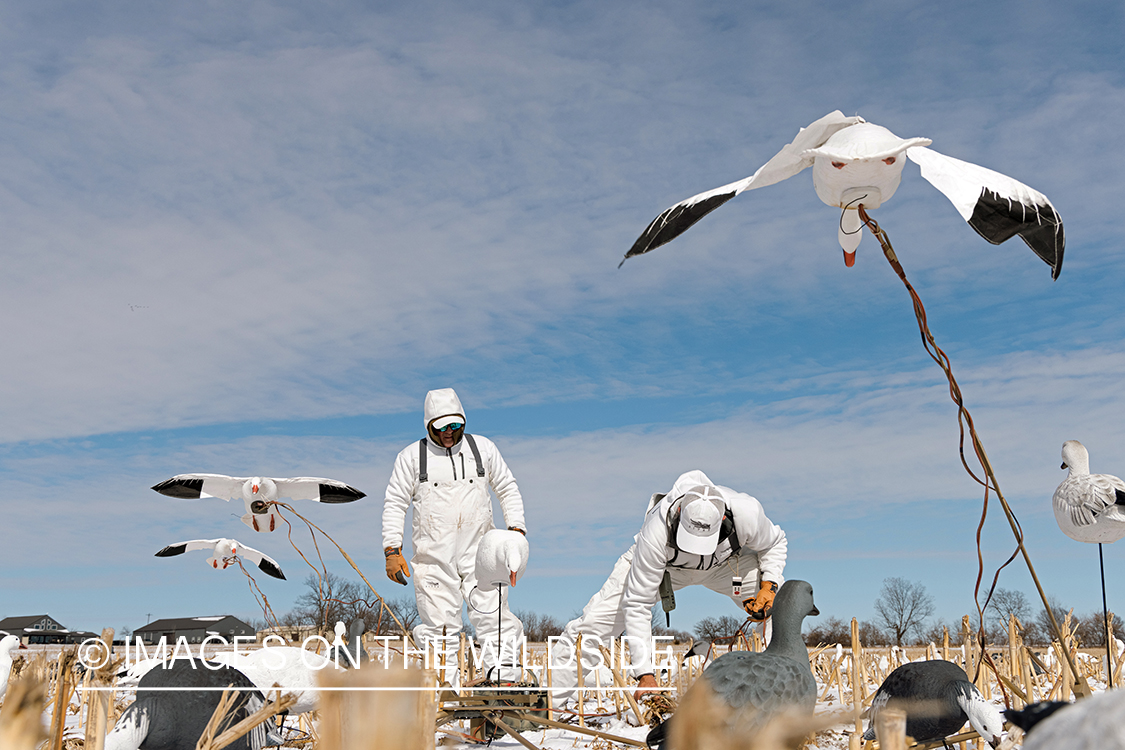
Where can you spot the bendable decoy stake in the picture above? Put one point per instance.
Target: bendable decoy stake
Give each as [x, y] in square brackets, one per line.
[1081, 687]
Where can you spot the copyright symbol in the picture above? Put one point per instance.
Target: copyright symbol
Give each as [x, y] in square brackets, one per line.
[92, 654]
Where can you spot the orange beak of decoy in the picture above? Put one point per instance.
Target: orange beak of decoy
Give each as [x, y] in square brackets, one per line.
[849, 258]
[254, 488]
[512, 577]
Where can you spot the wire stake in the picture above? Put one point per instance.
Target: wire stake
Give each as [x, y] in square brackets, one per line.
[1081, 687]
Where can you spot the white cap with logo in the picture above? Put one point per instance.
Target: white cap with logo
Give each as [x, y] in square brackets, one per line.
[701, 518]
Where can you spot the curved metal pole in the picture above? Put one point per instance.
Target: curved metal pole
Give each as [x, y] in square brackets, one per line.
[1080, 686]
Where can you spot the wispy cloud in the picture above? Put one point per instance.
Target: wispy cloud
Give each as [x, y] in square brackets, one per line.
[221, 220]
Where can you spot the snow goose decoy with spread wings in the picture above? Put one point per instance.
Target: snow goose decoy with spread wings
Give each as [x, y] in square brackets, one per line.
[744, 690]
[855, 162]
[258, 493]
[223, 554]
[1089, 507]
[938, 699]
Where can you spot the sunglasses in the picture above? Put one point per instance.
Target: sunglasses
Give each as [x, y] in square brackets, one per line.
[451, 426]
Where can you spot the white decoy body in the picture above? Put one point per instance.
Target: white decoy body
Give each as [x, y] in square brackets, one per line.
[1093, 723]
[258, 493]
[223, 554]
[292, 668]
[1089, 507]
[8, 644]
[856, 162]
[501, 558]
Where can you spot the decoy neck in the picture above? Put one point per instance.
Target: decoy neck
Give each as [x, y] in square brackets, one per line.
[794, 602]
[1075, 457]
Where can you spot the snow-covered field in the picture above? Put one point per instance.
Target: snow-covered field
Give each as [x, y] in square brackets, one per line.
[1037, 673]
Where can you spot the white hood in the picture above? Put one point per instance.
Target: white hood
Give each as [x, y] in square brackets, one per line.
[441, 403]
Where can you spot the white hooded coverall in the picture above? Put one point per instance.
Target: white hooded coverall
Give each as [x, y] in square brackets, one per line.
[624, 603]
[452, 511]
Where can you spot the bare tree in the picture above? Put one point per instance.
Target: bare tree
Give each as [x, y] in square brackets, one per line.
[903, 607]
[1091, 629]
[935, 634]
[1004, 604]
[717, 628]
[870, 634]
[829, 631]
[1040, 630]
[538, 627]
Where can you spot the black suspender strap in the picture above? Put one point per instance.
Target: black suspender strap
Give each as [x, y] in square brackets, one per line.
[422, 475]
[476, 454]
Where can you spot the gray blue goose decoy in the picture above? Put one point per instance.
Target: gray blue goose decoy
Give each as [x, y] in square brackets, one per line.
[756, 687]
[938, 699]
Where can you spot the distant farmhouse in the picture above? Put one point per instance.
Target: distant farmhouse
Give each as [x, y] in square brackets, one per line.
[36, 629]
[193, 629]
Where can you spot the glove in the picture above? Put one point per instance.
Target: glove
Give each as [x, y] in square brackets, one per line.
[397, 569]
[759, 607]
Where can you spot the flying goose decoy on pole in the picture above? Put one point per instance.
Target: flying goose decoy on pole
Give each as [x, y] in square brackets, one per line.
[223, 554]
[258, 492]
[857, 163]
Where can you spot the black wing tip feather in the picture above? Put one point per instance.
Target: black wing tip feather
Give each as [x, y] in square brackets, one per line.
[185, 489]
[998, 219]
[270, 569]
[330, 493]
[171, 550]
[673, 222]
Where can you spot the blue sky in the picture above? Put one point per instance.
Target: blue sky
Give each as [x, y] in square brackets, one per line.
[247, 239]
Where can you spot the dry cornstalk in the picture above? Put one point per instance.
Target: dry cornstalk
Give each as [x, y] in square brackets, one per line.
[858, 688]
[372, 709]
[226, 735]
[890, 729]
[580, 730]
[620, 683]
[21, 717]
[98, 701]
[63, 689]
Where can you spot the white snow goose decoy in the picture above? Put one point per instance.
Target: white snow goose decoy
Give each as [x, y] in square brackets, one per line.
[8, 644]
[1089, 507]
[938, 699]
[223, 554]
[258, 493]
[856, 162]
[1089, 724]
[501, 558]
[742, 691]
